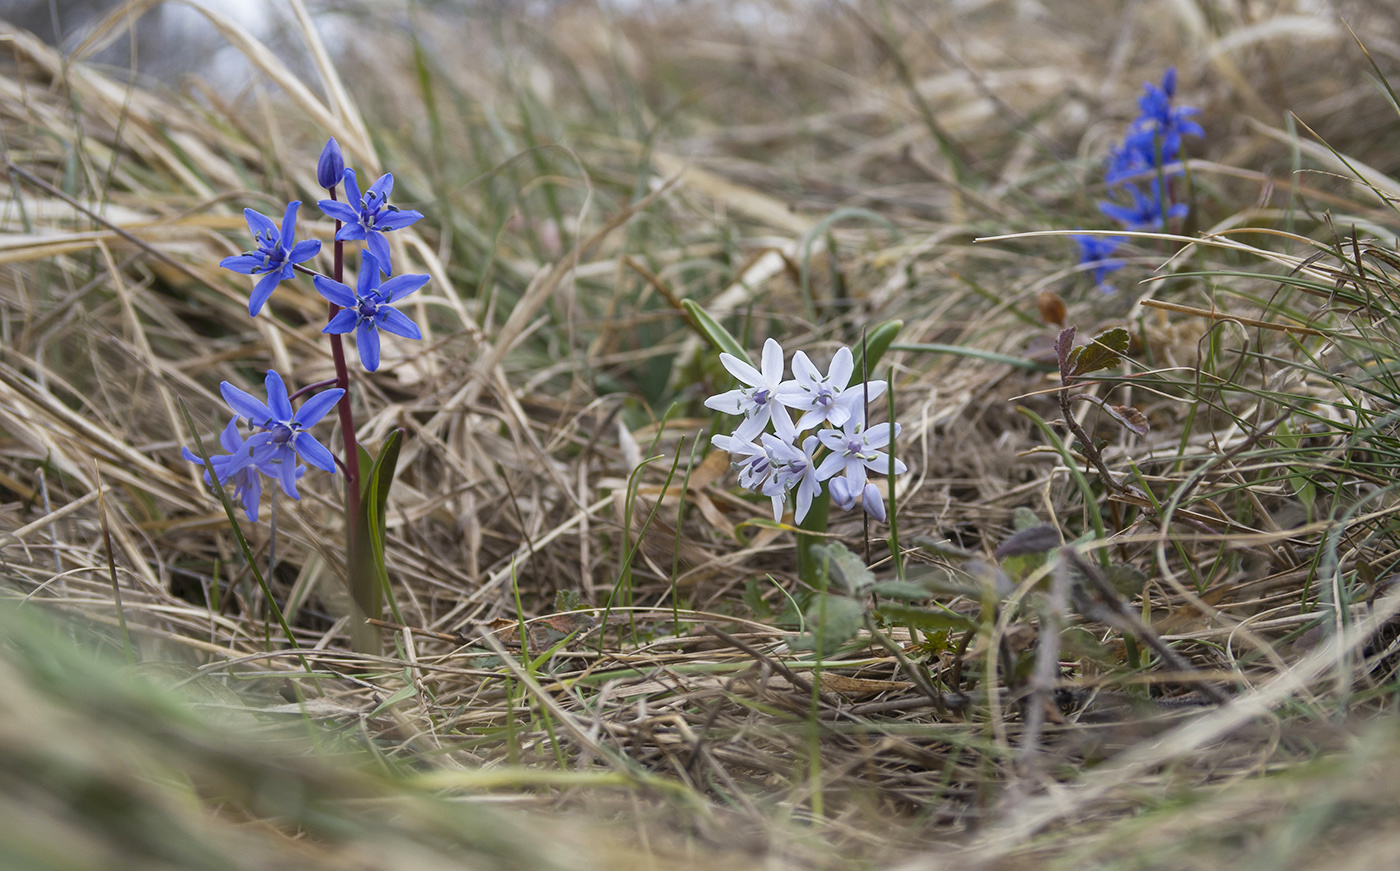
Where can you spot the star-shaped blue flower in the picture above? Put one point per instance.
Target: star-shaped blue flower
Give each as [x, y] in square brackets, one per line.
[369, 216]
[246, 482]
[370, 307]
[282, 435]
[276, 257]
[1097, 252]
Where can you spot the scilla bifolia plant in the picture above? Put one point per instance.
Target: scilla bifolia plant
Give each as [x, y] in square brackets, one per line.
[825, 456]
[280, 438]
[1140, 173]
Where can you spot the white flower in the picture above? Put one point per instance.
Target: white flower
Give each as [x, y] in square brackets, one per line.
[793, 465]
[751, 460]
[757, 402]
[855, 449]
[826, 398]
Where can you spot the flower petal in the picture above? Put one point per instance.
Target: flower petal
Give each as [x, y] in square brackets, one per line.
[741, 370]
[772, 361]
[350, 233]
[245, 404]
[803, 370]
[252, 492]
[287, 477]
[352, 192]
[380, 247]
[243, 263]
[396, 322]
[229, 439]
[316, 407]
[277, 396]
[313, 451]
[872, 503]
[402, 286]
[396, 219]
[335, 292]
[343, 322]
[843, 365]
[259, 224]
[304, 250]
[289, 225]
[340, 211]
[261, 291]
[383, 186]
[729, 402]
[367, 343]
[368, 279]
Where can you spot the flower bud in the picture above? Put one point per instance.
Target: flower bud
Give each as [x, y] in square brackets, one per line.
[331, 167]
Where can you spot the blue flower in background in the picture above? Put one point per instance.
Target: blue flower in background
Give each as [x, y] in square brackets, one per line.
[369, 216]
[370, 308]
[1095, 252]
[246, 482]
[1147, 210]
[282, 435]
[276, 257]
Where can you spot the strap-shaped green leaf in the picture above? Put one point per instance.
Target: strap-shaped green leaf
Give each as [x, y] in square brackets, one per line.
[713, 331]
[877, 342]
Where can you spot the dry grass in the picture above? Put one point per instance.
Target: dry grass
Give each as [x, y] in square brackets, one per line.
[580, 172]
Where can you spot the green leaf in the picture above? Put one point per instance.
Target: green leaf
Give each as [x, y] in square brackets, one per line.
[1126, 579]
[406, 693]
[1102, 352]
[713, 330]
[877, 342]
[846, 568]
[369, 578]
[907, 590]
[836, 623]
[924, 619]
[567, 600]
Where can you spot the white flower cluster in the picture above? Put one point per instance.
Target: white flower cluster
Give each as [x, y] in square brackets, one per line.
[772, 463]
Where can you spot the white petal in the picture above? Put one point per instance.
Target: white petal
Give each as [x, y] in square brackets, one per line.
[772, 362]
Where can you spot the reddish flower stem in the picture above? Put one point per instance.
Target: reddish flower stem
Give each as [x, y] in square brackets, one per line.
[347, 417]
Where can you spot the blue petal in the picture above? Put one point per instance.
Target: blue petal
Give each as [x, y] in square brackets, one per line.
[304, 250]
[259, 224]
[313, 451]
[396, 219]
[334, 291]
[252, 492]
[229, 439]
[287, 477]
[343, 322]
[277, 397]
[289, 224]
[383, 186]
[368, 278]
[243, 263]
[402, 286]
[340, 211]
[350, 233]
[352, 192]
[316, 407]
[398, 323]
[262, 290]
[379, 247]
[367, 343]
[245, 405]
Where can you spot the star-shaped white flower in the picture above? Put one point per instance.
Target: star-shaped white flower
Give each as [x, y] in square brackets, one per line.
[757, 402]
[826, 398]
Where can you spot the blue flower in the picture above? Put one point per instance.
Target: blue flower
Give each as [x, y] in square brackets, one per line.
[276, 256]
[246, 482]
[331, 165]
[1095, 251]
[369, 216]
[282, 434]
[758, 402]
[1147, 210]
[370, 308]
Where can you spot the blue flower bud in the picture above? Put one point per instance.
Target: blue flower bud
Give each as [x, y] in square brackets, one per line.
[331, 167]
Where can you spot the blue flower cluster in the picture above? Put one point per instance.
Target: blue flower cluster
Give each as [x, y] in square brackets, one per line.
[1140, 172]
[774, 463]
[280, 435]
